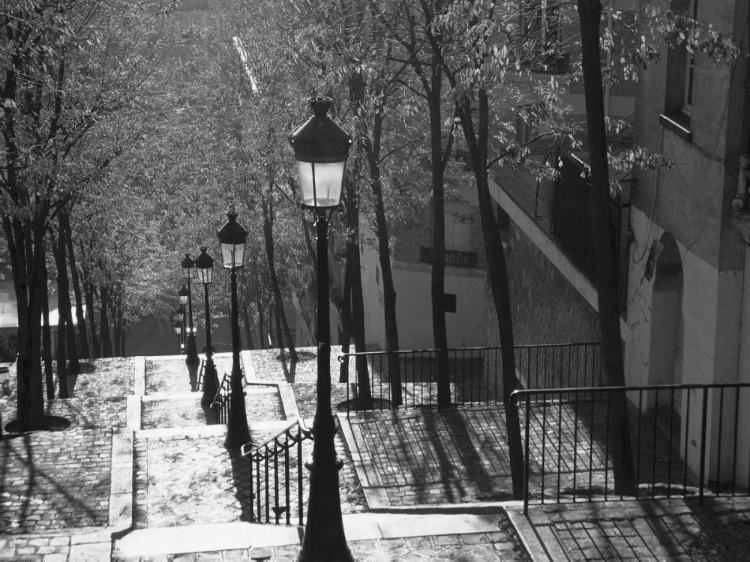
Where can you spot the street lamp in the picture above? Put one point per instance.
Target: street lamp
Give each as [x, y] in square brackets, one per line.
[177, 329]
[204, 265]
[179, 318]
[321, 148]
[232, 238]
[187, 273]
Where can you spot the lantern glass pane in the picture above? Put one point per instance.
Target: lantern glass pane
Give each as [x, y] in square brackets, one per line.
[232, 255]
[177, 329]
[205, 275]
[183, 299]
[321, 183]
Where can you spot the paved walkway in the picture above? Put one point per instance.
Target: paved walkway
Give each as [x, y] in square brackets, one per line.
[140, 475]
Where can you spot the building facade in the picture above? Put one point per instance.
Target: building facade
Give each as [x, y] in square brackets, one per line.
[684, 253]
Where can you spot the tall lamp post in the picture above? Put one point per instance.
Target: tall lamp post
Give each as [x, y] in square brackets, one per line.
[232, 238]
[204, 265]
[321, 148]
[188, 271]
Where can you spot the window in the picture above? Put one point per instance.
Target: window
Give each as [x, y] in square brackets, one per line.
[449, 301]
[542, 34]
[678, 106]
[526, 126]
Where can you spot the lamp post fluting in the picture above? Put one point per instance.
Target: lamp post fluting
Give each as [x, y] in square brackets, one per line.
[321, 148]
[187, 274]
[204, 265]
[232, 238]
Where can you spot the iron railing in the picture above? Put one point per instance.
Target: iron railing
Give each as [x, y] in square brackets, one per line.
[201, 369]
[475, 373]
[220, 403]
[685, 440]
[276, 483]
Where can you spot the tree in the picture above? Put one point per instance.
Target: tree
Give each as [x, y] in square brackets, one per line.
[66, 66]
[618, 437]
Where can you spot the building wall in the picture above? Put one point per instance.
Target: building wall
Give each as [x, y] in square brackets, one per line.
[465, 327]
[412, 276]
[546, 308]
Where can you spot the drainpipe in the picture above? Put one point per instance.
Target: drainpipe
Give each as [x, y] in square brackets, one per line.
[739, 202]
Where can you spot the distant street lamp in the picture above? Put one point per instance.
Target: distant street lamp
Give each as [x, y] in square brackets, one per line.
[179, 317]
[188, 272]
[232, 238]
[204, 265]
[321, 148]
[177, 329]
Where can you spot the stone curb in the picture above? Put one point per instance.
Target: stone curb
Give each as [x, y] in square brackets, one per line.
[241, 535]
[139, 378]
[288, 401]
[375, 495]
[541, 544]
[121, 487]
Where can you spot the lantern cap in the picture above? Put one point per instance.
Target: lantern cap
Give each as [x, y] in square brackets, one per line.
[188, 262]
[183, 292]
[232, 232]
[204, 261]
[320, 140]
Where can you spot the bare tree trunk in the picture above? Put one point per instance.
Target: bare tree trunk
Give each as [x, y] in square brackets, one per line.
[372, 149]
[104, 322]
[364, 396]
[47, 344]
[589, 12]
[89, 292]
[80, 317]
[117, 326]
[248, 328]
[346, 328]
[63, 300]
[63, 312]
[439, 331]
[281, 322]
[261, 324]
[477, 142]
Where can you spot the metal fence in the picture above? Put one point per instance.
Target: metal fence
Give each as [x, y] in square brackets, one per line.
[685, 440]
[276, 483]
[475, 373]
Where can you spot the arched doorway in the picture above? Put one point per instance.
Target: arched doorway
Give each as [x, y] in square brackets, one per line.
[667, 331]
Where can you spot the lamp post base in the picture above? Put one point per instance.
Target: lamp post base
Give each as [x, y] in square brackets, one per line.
[192, 352]
[324, 530]
[238, 431]
[210, 383]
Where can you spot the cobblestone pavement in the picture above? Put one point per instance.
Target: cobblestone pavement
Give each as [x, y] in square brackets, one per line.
[171, 374]
[261, 404]
[654, 530]
[182, 480]
[271, 365]
[422, 457]
[55, 480]
[54, 499]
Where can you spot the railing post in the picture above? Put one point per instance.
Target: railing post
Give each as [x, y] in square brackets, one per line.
[527, 456]
[704, 418]
[253, 491]
[299, 475]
